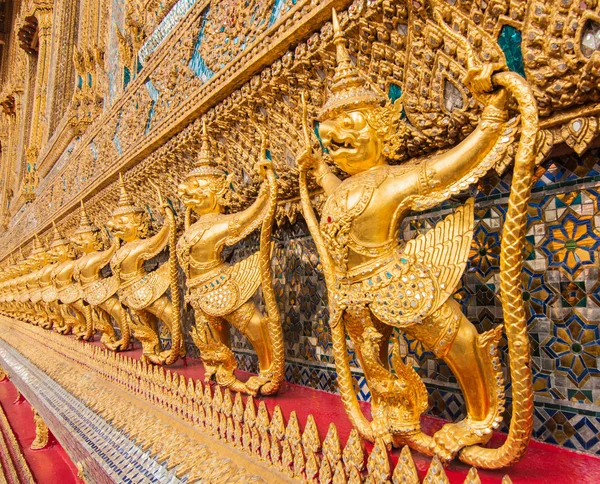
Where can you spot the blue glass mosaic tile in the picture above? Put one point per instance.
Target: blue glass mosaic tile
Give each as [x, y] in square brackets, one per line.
[197, 63]
[175, 15]
[510, 43]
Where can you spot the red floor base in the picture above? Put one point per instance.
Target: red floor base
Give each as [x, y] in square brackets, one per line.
[51, 465]
[542, 464]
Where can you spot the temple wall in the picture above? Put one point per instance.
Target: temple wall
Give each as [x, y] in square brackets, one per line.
[193, 65]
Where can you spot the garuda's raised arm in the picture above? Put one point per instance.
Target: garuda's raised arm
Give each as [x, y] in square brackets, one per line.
[441, 172]
[243, 223]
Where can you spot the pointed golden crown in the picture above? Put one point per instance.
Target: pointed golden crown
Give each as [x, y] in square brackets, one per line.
[125, 204]
[85, 224]
[349, 90]
[204, 165]
[57, 238]
[38, 247]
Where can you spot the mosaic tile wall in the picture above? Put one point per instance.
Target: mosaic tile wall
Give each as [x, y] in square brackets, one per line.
[562, 294]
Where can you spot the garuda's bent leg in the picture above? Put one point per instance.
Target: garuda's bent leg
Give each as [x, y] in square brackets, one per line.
[255, 326]
[397, 400]
[145, 330]
[113, 307]
[162, 308]
[473, 359]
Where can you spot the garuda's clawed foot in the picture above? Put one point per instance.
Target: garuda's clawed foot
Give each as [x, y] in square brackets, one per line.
[118, 345]
[82, 335]
[262, 383]
[153, 358]
[453, 437]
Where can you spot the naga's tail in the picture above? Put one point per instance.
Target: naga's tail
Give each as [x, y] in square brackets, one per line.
[176, 336]
[275, 330]
[338, 333]
[511, 264]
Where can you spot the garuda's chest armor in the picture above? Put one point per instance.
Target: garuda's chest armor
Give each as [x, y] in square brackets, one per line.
[219, 288]
[398, 288]
[96, 289]
[139, 289]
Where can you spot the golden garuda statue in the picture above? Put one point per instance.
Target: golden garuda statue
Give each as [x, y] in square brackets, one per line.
[20, 286]
[100, 292]
[142, 292]
[17, 293]
[377, 282]
[48, 293]
[38, 259]
[77, 316]
[220, 293]
[26, 285]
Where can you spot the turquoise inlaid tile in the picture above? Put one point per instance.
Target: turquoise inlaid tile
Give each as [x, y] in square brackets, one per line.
[316, 130]
[394, 92]
[197, 63]
[510, 43]
[175, 15]
[279, 8]
[153, 92]
[126, 77]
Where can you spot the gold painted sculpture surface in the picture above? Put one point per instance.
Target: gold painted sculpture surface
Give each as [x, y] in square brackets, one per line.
[221, 293]
[77, 316]
[48, 292]
[100, 292]
[42, 433]
[38, 260]
[142, 292]
[376, 282]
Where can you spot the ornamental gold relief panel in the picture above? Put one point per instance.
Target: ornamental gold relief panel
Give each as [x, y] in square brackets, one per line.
[400, 48]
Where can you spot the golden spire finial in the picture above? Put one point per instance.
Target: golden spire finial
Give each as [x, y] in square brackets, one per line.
[57, 238]
[125, 203]
[37, 245]
[85, 224]
[204, 165]
[349, 89]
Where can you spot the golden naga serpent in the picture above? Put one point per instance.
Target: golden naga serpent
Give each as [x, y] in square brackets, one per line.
[176, 337]
[511, 264]
[275, 330]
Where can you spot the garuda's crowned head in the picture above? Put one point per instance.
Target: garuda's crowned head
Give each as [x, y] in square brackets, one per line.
[128, 221]
[204, 188]
[357, 117]
[85, 238]
[60, 247]
[39, 255]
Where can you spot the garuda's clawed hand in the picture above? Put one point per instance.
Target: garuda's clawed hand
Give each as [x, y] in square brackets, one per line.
[480, 81]
[262, 167]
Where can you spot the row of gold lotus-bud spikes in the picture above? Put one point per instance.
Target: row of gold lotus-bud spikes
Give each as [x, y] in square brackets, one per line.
[299, 454]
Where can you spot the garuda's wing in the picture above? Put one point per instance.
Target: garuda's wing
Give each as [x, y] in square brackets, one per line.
[445, 249]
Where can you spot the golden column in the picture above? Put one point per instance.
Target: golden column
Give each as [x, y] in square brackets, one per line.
[43, 13]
